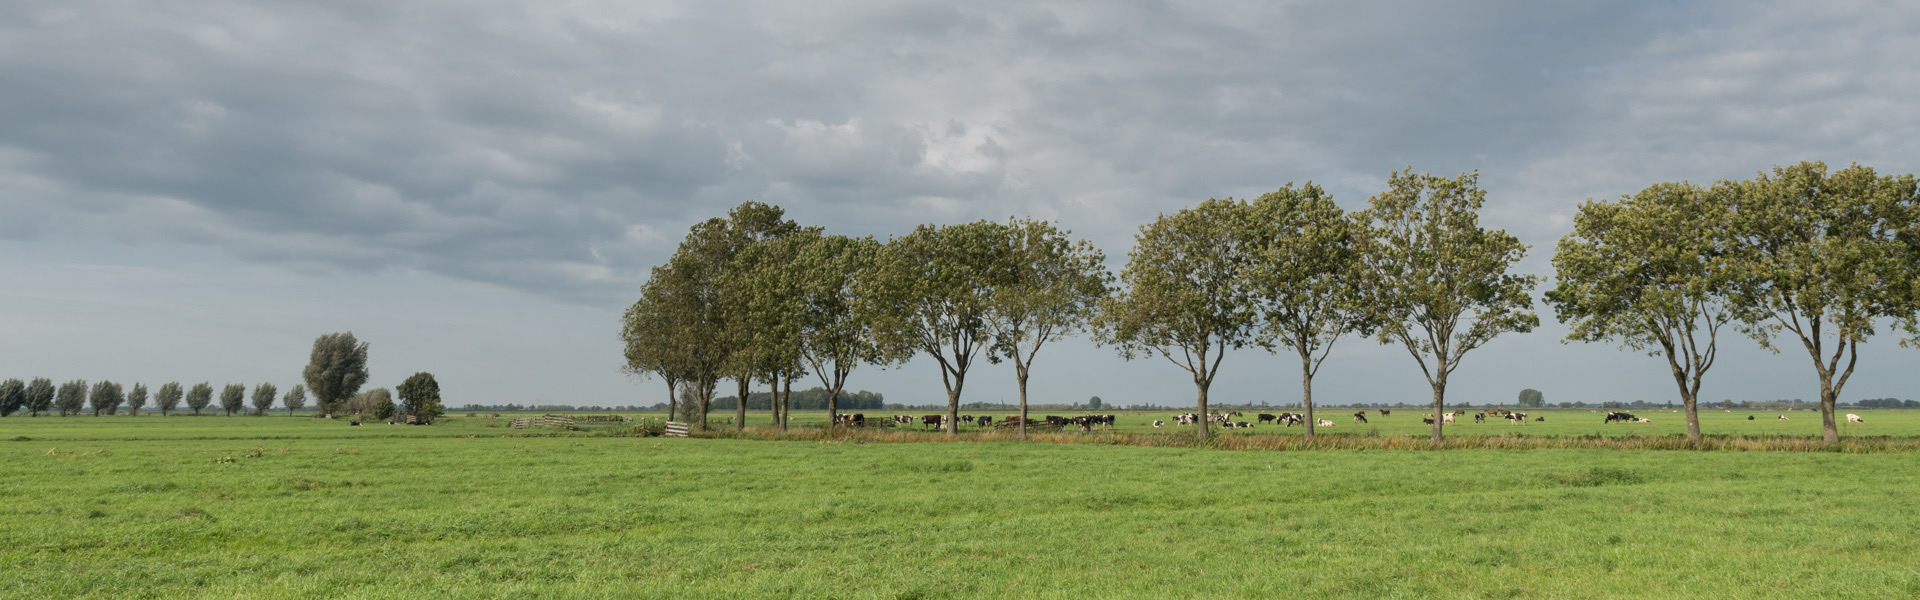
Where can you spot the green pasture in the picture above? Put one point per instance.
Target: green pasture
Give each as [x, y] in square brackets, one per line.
[116, 507]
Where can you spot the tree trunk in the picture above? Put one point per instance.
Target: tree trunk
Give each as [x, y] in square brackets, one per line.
[833, 406]
[1200, 383]
[1692, 402]
[740, 407]
[1828, 398]
[673, 401]
[1439, 409]
[953, 407]
[786, 394]
[1306, 391]
[1020, 372]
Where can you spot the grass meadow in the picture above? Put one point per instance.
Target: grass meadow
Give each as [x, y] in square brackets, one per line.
[118, 507]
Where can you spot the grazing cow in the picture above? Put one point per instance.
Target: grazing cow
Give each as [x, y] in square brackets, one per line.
[1459, 412]
[1853, 418]
[1323, 423]
[1234, 414]
[968, 419]
[1619, 416]
[1385, 412]
[1264, 417]
[1427, 419]
[1480, 418]
[1157, 423]
[903, 419]
[985, 421]
[1517, 418]
[934, 420]
[1447, 418]
[1292, 419]
[1360, 417]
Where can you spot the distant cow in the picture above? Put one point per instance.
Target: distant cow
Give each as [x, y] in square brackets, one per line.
[1427, 419]
[1264, 417]
[1749, 417]
[903, 419]
[1853, 418]
[985, 421]
[1447, 418]
[1643, 420]
[1323, 423]
[968, 419]
[1292, 419]
[1360, 417]
[1480, 418]
[1783, 417]
[1517, 418]
[1157, 423]
[1619, 416]
[1385, 412]
[934, 420]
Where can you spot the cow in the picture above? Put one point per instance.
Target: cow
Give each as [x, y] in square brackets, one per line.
[1480, 418]
[1853, 418]
[934, 420]
[1619, 416]
[1517, 418]
[1447, 417]
[1323, 423]
[903, 419]
[1292, 419]
[1264, 417]
[1427, 419]
[1360, 417]
[968, 419]
[985, 421]
[1749, 417]
[1385, 412]
[1783, 417]
[1244, 425]
[1643, 420]
[1157, 423]
[1539, 419]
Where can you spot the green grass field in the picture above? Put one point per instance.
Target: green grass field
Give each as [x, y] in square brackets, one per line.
[225, 507]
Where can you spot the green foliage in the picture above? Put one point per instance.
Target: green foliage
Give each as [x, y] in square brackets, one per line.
[106, 397]
[200, 396]
[1093, 403]
[136, 398]
[168, 397]
[73, 397]
[1185, 296]
[1436, 282]
[1824, 257]
[1532, 398]
[263, 397]
[420, 397]
[376, 403]
[1653, 272]
[1052, 290]
[13, 396]
[832, 338]
[40, 396]
[336, 369]
[296, 398]
[233, 398]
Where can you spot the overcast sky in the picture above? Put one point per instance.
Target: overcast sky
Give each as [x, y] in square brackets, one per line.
[193, 191]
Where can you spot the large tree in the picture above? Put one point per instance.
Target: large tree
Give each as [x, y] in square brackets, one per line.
[748, 225]
[233, 398]
[1052, 290]
[1530, 398]
[1820, 257]
[168, 397]
[1438, 283]
[263, 397]
[1303, 274]
[336, 369]
[420, 397]
[1650, 272]
[932, 291]
[200, 396]
[1185, 296]
[832, 338]
[676, 328]
[106, 397]
[767, 306]
[40, 395]
[296, 399]
[13, 396]
[73, 397]
[136, 399]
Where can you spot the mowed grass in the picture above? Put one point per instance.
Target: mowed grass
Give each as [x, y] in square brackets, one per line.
[108, 507]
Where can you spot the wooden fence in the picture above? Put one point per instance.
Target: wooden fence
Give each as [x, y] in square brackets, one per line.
[676, 429]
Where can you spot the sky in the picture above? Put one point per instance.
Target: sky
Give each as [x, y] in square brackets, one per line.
[193, 191]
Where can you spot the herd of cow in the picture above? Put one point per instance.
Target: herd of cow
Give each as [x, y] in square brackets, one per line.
[1226, 419]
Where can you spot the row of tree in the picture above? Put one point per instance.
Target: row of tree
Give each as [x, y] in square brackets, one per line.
[1822, 256]
[106, 397]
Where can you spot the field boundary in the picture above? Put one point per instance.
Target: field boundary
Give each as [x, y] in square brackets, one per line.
[1346, 441]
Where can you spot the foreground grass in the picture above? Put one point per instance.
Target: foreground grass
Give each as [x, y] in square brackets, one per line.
[649, 517]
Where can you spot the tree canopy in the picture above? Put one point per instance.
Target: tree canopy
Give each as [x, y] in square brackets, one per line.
[336, 369]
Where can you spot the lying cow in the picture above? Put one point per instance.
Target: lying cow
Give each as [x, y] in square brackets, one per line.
[1853, 418]
[1323, 423]
[1157, 423]
[1783, 417]
[1643, 420]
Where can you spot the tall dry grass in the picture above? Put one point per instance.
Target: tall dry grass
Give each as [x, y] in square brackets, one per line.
[1338, 441]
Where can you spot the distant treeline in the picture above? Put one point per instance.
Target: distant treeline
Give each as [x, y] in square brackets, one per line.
[812, 399]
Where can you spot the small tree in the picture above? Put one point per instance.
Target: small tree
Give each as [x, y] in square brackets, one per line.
[73, 397]
[336, 369]
[136, 399]
[1437, 283]
[1093, 403]
[932, 291]
[200, 396]
[106, 397]
[420, 397]
[1053, 287]
[1532, 398]
[296, 399]
[233, 398]
[263, 397]
[13, 396]
[168, 397]
[1304, 279]
[376, 403]
[39, 396]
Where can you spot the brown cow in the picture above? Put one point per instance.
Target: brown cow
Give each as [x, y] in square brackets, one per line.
[934, 420]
